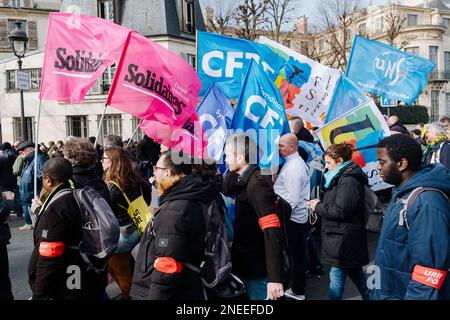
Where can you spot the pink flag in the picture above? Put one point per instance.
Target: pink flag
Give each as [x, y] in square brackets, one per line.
[157, 85]
[78, 50]
[189, 138]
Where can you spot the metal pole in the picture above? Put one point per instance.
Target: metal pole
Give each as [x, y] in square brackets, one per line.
[22, 109]
[134, 133]
[38, 116]
[100, 125]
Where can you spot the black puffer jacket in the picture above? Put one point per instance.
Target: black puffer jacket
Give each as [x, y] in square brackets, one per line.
[8, 181]
[177, 232]
[344, 241]
[89, 177]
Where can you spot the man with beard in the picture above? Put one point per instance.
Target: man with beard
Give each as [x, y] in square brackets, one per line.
[413, 251]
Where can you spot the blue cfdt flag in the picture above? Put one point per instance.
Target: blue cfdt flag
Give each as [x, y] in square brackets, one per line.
[260, 107]
[346, 96]
[313, 151]
[215, 113]
[386, 71]
[225, 61]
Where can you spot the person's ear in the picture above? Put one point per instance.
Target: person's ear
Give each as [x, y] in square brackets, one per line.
[403, 164]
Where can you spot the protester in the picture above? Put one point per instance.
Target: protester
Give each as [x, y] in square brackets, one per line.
[292, 185]
[112, 140]
[176, 234]
[51, 149]
[123, 183]
[257, 242]
[437, 149]
[298, 129]
[56, 270]
[413, 249]
[26, 187]
[396, 126]
[344, 241]
[416, 135]
[6, 205]
[446, 123]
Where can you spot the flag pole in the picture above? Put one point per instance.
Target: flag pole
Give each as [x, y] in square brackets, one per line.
[100, 125]
[196, 50]
[38, 117]
[134, 133]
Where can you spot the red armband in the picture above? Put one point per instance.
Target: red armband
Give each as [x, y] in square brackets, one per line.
[269, 221]
[167, 265]
[51, 249]
[429, 277]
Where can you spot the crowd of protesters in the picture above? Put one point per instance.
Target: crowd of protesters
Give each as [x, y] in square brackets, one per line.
[272, 216]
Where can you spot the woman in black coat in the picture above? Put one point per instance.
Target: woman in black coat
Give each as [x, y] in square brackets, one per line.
[344, 241]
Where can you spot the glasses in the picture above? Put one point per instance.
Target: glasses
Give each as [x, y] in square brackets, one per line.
[160, 168]
[103, 158]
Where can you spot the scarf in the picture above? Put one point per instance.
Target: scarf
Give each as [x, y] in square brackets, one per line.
[329, 175]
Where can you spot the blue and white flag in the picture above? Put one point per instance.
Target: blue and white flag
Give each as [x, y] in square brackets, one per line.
[225, 61]
[260, 107]
[312, 149]
[346, 96]
[386, 71]
[215, 113]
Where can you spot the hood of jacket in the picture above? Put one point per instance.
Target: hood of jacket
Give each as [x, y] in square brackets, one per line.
[433, 175]
[352, 170]
[190, 188]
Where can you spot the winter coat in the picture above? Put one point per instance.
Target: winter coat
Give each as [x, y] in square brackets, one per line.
[5, 233]
[344, 241]
[426, 243]
[8, 180]
[177, 232]
[440, 152]
[255, 254]
[58, 226]
[26, 187]
[88, 177]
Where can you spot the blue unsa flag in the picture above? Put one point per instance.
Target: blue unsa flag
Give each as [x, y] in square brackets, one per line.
[215, 113]
[346, 97]
[386, 71]
[224, 61]
[260, 113]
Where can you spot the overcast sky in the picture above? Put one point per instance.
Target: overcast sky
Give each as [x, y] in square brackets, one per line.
[309, 7]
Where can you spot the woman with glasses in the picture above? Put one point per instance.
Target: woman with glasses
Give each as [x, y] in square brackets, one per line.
[124, 185]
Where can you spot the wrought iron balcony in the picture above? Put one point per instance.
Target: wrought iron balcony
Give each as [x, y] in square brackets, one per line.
[440, 75]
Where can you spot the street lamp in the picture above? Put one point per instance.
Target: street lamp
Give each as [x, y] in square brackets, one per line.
[18, 39]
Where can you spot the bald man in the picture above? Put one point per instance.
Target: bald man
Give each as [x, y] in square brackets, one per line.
[292, 185]
[396, 126]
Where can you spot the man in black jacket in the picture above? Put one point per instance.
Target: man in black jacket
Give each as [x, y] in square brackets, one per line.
[56, 269]
[6, 204]
[175, 236]
[257, 243]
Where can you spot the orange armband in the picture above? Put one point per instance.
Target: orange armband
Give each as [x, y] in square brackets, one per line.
[51, 249]
[167, 265]
[269, 221]
[429, 277]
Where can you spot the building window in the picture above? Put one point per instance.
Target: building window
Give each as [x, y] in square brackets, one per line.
[106, 9]
[433, 54]
[112, 124]
[446, 22]
[362, 30]
[412, 19]
[102, 85]
[29, 129]
[191, 60]
[447, 96]
[413, 50]
[447, 61]
[140, 133]
[188, 16]
[304, 47]
[379, 24]
[434, 115]
[15, 3]
[35, 79]
[11, 25]
[77, 126]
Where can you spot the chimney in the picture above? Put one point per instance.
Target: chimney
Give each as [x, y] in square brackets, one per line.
[208, 16]
[301, 26]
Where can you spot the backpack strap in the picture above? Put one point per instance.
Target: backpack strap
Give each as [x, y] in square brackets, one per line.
[407, 203]
[123, 193]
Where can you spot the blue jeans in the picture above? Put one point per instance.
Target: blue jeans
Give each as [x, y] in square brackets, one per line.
[256, 288]
[337, 282]
[26, 214]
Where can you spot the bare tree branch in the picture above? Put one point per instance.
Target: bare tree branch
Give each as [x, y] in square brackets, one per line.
[395, 21]
[249, 18]
[279, 14]
[218, 15]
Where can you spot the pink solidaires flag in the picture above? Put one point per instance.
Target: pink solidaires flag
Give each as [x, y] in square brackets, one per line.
[78, 50]
[158, 86]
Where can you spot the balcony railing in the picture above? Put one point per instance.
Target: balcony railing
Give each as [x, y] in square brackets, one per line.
[53, 5]
[442, 75]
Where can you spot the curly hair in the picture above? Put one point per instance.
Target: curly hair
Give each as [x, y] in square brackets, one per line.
[80, 152]
[340, 150]
[401, 146]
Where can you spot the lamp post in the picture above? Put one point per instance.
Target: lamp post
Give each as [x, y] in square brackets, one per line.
[18, 39]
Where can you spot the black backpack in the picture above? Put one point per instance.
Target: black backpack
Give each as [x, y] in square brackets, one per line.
[216, 266]
[373, 210]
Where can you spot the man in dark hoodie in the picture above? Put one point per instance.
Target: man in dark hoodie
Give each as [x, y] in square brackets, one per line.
[413, 253]
[175, 236]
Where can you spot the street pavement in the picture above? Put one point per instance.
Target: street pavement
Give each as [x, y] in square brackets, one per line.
[22, 244]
